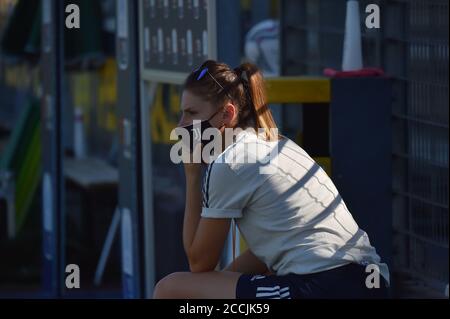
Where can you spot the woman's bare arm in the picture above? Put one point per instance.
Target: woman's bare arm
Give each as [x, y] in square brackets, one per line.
[248, 263]
[203, 238]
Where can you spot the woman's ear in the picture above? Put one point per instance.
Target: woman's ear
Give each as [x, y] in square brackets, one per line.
[229, 114]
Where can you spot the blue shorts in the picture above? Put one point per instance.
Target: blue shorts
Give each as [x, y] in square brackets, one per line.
[345, 282]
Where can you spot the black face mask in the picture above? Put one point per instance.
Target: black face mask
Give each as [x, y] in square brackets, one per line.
[196, 132]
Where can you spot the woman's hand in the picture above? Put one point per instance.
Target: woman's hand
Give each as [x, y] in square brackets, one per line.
[192, 163]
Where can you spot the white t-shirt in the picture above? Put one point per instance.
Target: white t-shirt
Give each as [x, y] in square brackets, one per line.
[287, 208]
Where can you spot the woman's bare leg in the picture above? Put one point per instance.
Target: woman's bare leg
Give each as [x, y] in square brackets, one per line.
[207, 285]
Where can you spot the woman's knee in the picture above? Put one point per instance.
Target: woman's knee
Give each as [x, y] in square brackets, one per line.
[167, 286]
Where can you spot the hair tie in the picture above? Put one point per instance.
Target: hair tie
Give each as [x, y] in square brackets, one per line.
[242, 74]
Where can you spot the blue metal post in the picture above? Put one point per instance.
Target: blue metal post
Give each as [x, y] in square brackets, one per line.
[52, 187]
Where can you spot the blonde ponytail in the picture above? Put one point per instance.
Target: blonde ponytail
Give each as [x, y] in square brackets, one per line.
[258, 99]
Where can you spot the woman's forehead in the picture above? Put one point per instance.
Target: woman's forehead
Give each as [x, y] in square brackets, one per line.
[193, 102]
